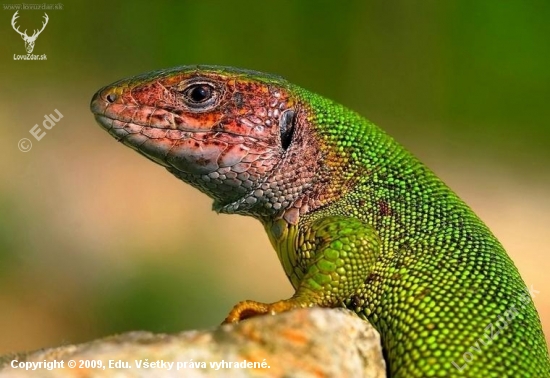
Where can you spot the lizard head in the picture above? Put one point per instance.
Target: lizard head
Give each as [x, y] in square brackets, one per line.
[233, 134]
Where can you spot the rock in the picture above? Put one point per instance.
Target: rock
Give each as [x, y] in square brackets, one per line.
[310, 342]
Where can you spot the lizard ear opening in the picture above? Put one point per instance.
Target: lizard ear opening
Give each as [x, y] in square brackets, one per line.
[286, 127]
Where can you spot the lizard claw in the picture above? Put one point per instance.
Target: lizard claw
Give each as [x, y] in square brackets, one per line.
[248, 309]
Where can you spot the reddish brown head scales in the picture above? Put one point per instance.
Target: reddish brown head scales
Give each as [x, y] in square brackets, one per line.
[224, 131]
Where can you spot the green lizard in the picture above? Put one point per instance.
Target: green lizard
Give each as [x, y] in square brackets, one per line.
[356, 220]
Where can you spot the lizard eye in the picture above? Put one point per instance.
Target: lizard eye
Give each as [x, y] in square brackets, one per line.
[200, 96]
[199, 93]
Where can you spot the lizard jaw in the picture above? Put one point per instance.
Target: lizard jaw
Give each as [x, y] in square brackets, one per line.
[229, 152]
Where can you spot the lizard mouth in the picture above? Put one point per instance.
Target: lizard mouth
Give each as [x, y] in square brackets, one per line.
[152, 142]
[155, 122]
[188, 146]
[159, 134]
[121, 118]
[121, 128]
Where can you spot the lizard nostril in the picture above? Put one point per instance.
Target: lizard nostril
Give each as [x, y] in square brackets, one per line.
[111, 97]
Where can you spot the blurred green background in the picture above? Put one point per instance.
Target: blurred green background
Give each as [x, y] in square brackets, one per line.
[94, 239]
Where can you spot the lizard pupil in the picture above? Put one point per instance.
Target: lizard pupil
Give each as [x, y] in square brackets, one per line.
[111, 97]
[200, 93]
[199, 96]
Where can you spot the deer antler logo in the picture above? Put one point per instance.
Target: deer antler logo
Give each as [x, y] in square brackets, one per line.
[29, 40]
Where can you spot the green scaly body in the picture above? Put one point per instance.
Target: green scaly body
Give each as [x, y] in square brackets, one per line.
[356, 220]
